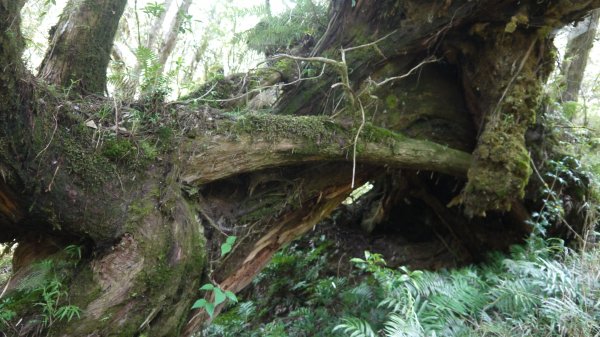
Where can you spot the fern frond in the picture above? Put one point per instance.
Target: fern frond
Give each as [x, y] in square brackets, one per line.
[398, 326]
[247, 309]
[355, 327]
[363, 291]
[515, 296]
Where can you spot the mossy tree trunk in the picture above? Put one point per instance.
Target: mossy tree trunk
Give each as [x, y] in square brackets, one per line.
[150, 225]
[80, 45]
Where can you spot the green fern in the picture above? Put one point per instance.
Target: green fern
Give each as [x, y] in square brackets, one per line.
[398, 326]
[514, 297]
[278, 34]
[355, 327]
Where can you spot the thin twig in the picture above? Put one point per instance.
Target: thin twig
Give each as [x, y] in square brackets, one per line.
[387, 80]
[52, 181]
[116, 118]
[374, 43]
[5, 287]
[362, 125]
[51, 137]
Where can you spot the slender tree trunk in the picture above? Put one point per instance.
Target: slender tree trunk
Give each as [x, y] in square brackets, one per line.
[150, 43]
[200, 48]
[268, 7]
[581, 41]
[168, 44]
[80, 45]
[156, 30]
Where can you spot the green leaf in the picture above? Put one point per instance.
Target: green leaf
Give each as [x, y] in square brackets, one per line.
[225, 248]
[219, 296]
[231, 296]
[210, 309]
[207, 287]
[201, 303]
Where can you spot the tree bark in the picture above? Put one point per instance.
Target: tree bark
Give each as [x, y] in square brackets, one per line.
[581, 41]
[80, 45]
[150, 226]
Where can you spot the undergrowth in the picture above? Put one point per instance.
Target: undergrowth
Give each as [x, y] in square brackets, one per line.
[43, 294]
[540, 289]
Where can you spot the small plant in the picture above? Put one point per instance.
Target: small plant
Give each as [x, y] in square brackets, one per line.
[51, 294]
[219, 296]
[43, 289]
[74, 252]
[6, 314]
[154, 84]
[154, 9]
[228, 245]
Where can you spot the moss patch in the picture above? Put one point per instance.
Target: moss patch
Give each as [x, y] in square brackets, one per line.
[118, 149]
[501, 168]
[275, 127]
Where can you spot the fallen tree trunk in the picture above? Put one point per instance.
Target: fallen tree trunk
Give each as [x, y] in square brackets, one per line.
[128, 224]
[257, 142]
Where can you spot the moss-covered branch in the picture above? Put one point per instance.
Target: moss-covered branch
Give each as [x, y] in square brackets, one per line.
[256, 142]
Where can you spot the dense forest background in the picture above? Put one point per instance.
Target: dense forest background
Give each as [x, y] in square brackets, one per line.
[395, 258]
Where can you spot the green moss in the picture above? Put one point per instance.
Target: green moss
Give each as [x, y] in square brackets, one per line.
[286, 66]
[92, 168]
[376, 134]
[501, 170]
[149, 151]
[158, 277]
[141, 209]
[118, 149]
[137, 211]
[165, 135]
[274, 127]
[391, 101]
